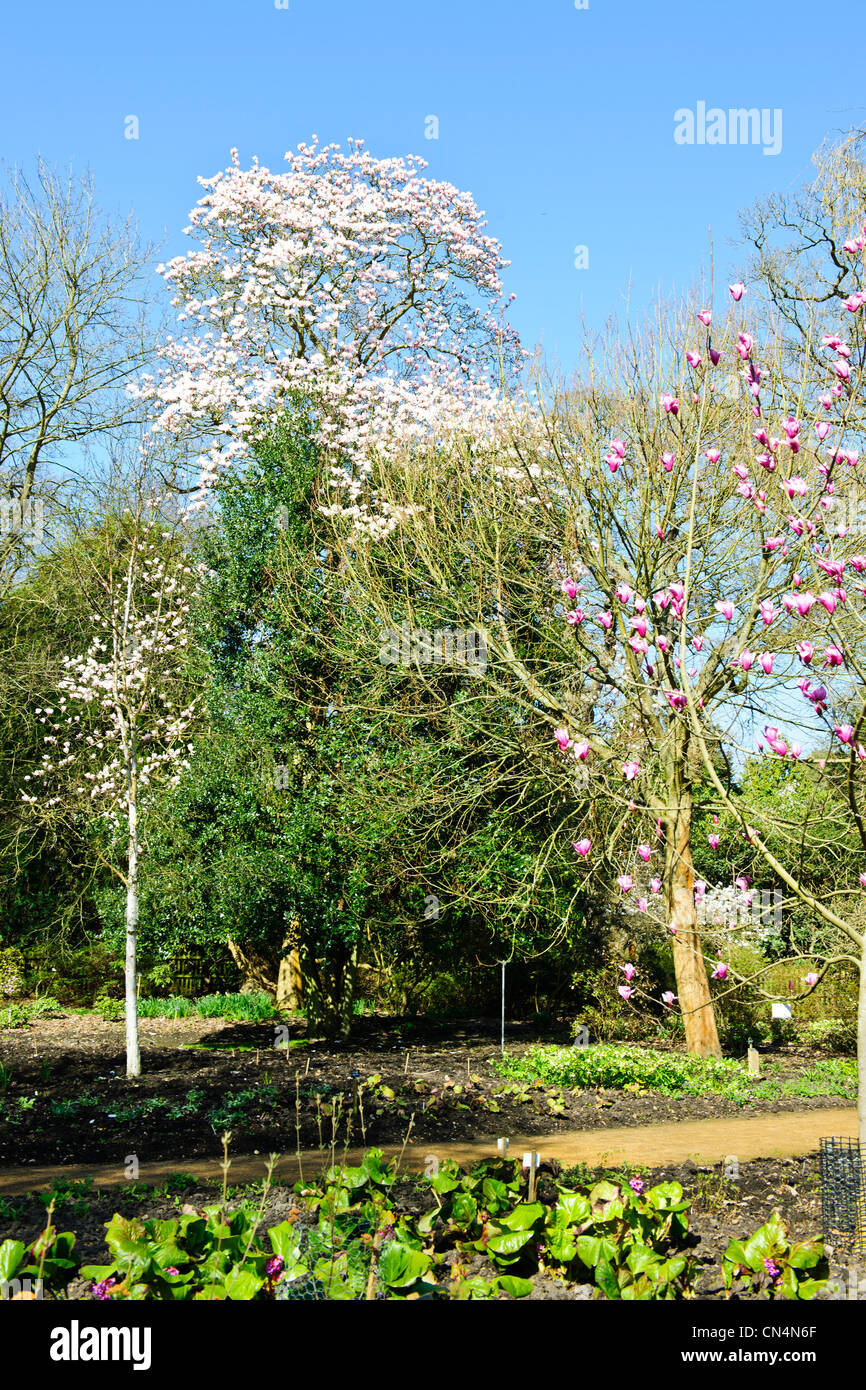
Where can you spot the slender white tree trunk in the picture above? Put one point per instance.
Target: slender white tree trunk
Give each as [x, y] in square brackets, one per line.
[133, 1054]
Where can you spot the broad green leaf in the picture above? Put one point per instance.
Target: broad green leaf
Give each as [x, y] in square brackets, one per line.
[517, 1288]
[242, 1285]
[11, 1255]
[399, 1266]
[606, 1280]
[805, 1254]
[523, 1216]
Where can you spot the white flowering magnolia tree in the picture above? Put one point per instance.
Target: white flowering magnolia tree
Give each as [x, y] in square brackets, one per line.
[356, 283]
[124, 710]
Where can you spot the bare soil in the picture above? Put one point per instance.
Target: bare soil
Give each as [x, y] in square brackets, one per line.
[201, 1077]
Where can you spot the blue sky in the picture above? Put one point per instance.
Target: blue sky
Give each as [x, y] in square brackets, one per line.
[560, 121]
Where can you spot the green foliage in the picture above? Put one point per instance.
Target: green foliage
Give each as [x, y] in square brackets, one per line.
[348, 1240]
[48, 1258]
[20, 1015]
[198, 1256]
[110, 1009]
[616, 1068]
[252, 1007]
[236, 1107]
[769, 1264]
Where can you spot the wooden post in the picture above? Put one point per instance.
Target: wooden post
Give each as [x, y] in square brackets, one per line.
[531, 1161]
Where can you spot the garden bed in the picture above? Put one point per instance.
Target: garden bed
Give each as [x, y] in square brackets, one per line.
[67, 1099]
[720, 1209]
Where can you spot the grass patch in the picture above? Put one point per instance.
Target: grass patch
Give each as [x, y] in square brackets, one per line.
[251, 1008]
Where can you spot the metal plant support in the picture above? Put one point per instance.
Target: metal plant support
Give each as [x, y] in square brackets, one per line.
[843, 1196]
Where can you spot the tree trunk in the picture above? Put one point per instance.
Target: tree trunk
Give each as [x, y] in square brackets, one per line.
[290, 985]
[330, 990]
[693, 987]
[258, 969]
[133, 1053]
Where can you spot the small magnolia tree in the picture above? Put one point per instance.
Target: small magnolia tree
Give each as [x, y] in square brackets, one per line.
[124, 711]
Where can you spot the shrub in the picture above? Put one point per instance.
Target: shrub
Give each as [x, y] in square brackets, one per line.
[11, 972]
[20, 1015]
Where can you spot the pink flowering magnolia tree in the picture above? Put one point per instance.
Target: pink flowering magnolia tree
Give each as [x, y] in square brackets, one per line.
[123, 713]
[355, 284]
[652, 580]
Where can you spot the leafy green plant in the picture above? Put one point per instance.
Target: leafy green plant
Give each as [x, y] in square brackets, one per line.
[20, 1015]
[235, 1107]
[68, 1192]
[175, 1006]
[48, 1257]
[767, 1263]
[615, 1067]
[198, 1256]
[627, 1238]
[110, 1008]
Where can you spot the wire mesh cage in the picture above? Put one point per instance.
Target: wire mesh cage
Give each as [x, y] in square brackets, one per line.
[843, 1195]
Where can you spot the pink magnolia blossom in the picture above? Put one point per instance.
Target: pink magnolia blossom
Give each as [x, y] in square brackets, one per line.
[705, 317]
[726, 608]
[582, 847]
[737, 291]
[669, 998]
[655, 885]
[644, 851]
[794, 487]
[561, 736]
[629, 971]
[625, 882]
[625, 990]
[713, 841]
[720, 972]
[768, 612]
[630, 770]
[670, 404]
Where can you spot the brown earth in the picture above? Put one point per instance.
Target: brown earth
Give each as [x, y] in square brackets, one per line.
[202, 1077]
